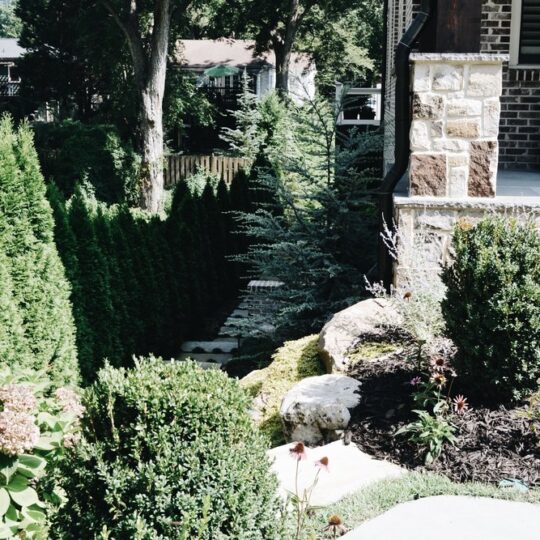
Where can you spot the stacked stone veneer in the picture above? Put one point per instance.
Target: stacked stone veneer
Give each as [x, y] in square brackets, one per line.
[432, 221]
[455, 124]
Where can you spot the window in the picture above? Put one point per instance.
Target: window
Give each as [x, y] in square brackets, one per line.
[525, 45]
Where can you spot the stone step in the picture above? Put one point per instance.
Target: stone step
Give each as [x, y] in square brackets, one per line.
[214, 346]
[218, 359]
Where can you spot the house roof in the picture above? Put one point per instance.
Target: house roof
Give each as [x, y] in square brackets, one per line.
[199, 54]
[10, 49]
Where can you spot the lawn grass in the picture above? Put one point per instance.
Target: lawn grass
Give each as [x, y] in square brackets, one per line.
[380, 497]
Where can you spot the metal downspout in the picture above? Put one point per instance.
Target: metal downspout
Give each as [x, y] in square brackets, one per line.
[402, 127]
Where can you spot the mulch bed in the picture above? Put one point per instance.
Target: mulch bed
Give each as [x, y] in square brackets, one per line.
[493, 443]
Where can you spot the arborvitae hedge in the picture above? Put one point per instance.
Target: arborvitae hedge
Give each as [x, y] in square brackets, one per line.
[37, 322]
[142, 284]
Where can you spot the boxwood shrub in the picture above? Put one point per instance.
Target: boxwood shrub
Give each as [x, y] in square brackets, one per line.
[168, 451]
[492, 307]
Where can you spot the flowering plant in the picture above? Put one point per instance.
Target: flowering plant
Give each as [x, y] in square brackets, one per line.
[35, 427]
[302, 499]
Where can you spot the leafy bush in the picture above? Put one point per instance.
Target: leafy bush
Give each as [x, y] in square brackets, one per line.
[36, 321]
[70, 152]
[492, 306]
[35, 429]
[168, 451]
[292, 362]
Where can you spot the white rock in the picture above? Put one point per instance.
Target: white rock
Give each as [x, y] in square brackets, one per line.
[485, 81]
[458, 181]
[453, 518]
[420, 136]
[350, 470]
[450, 145]
[463, 107]
[422, 80]
[316, 408]
[447, 77]
[492, 112]
[344, 330]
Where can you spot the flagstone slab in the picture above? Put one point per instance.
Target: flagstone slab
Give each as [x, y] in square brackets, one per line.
[349, 470]
[453, 518]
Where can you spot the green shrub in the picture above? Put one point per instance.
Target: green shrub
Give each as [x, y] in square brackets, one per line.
[292, 362]
[168, 451]
[70, 152]
[39, 330]
[492, 307]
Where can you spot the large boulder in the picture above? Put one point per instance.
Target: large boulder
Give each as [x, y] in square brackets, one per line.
[317, 409]
[345, 330]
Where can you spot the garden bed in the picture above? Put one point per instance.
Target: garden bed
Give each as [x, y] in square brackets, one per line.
[493, 444]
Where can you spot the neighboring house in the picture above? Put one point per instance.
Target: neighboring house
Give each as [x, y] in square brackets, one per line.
[461, 114]
[10, 53]
[198, 55]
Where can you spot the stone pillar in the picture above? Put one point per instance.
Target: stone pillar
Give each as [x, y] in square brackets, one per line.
[455, 124]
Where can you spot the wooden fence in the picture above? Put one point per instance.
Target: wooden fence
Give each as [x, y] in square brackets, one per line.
[180, 166]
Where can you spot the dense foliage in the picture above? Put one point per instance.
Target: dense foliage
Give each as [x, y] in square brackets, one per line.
[70, 152]
[37, 328]
[314, 228]
[492, 307]
[168, 451]
[35, 428]
[144, 283]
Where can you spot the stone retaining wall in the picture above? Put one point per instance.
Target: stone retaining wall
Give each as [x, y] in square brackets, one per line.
[435, 219]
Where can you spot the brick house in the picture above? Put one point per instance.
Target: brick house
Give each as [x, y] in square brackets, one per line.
[461, 114]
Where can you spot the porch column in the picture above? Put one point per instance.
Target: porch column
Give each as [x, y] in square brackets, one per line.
[455, 124]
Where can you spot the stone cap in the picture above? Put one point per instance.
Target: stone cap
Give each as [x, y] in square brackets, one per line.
[460, 58]
[466, 203]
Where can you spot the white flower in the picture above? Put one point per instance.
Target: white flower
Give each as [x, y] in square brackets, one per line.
[18, 432]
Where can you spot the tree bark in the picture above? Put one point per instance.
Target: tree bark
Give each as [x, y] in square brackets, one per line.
[283, 46]
[150, 70]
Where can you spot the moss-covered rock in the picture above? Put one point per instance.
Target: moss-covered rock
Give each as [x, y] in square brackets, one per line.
[372, 350]
[292, 362]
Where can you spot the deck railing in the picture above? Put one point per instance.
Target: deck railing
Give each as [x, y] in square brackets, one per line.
[180, 166]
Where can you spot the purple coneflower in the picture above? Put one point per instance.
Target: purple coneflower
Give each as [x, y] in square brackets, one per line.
[438, 379]
[415, 381]
[322, 464]
[460, 404]
[298, 451]
[438, 363]
[335, 525]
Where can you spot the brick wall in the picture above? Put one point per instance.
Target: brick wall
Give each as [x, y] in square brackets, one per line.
[519, 136]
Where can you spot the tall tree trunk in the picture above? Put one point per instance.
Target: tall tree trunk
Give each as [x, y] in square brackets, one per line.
[151, 172]
[283, 46]
[150, 68]
[283, 63]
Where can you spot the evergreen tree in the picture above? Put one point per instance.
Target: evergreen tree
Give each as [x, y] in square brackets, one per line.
[40, 289]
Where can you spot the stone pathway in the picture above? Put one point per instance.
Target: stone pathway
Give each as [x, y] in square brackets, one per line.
[221, 350]
[349, 470]
[453, 518]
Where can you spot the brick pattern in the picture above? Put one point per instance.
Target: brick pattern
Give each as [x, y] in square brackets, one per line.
[519, 133]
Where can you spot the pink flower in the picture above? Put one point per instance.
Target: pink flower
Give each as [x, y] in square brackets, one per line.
[298, 451]
[438, 363]
[18, 398]
[460, 404]
[415, 381]
[322, 464]
[18, 432]
[70, 402]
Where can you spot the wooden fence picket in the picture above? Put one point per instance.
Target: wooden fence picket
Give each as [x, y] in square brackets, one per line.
[180, 166]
